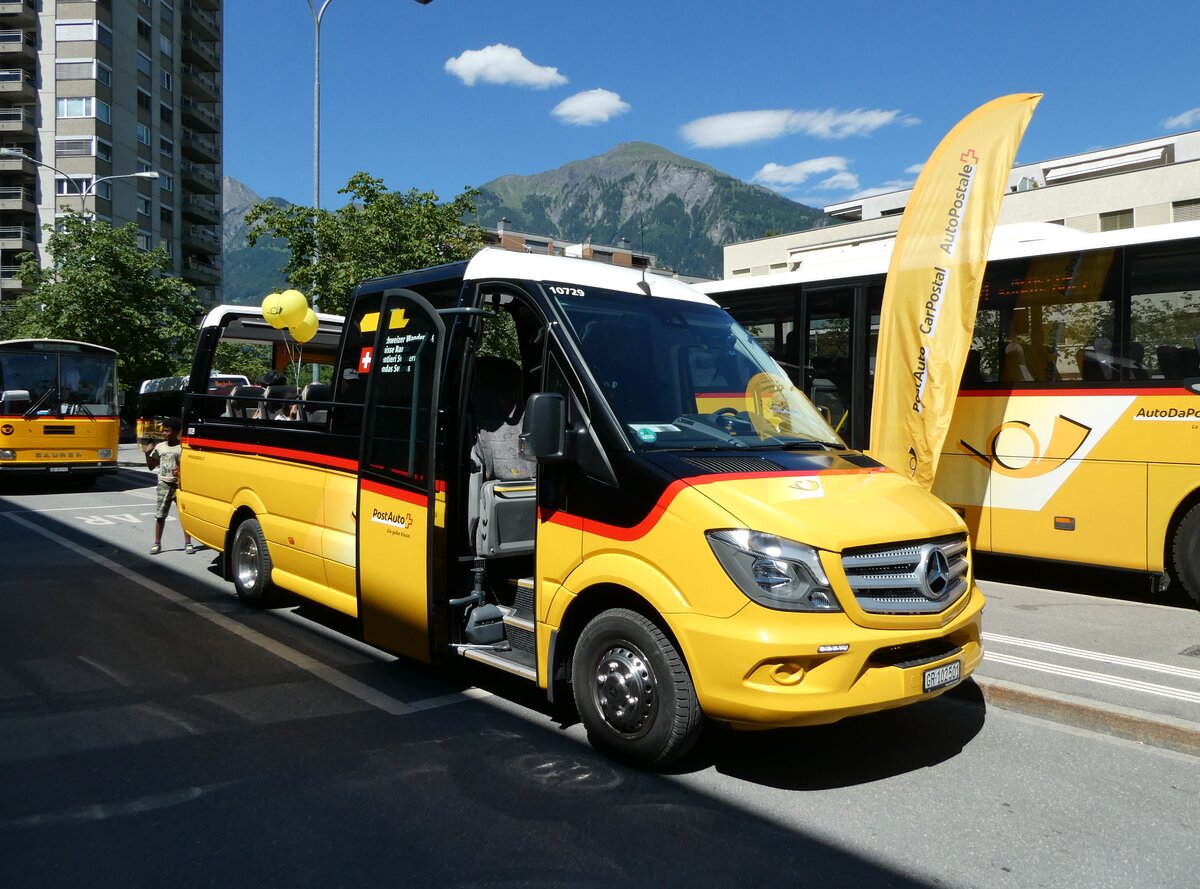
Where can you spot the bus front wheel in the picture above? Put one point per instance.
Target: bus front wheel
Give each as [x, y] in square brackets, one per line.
[252, 566]
[1185, 553]
[633, 690]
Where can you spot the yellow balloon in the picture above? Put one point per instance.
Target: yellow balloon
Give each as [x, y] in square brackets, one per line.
[273, 311]
[306, 328]
[294, 306]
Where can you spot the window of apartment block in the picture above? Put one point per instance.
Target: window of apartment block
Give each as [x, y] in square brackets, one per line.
[1115, 221]
[1186, 211]
[166, 113]
[166, 214]
[80, 29]
[166, 182]
[165, 80]
[82, 106]
[143, 240]
[143, 134]
[166, 147]
[70, 146]
[82, 69]
[144, 64]
[143, 99]
[164, 45]
[143, 28]
[166, 15]
[103, 149]
[143, 205]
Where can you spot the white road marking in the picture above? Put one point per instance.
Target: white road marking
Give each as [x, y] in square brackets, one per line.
[1084, 654]
[1164, 691]
[324, 672]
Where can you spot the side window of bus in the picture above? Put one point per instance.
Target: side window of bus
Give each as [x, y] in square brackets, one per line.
[1048, 319]
[1164, 283]
[354, 365]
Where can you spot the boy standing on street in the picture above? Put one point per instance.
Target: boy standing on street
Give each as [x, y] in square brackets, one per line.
[164, 457]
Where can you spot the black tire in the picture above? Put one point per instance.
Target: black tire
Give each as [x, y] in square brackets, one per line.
[250, 564]
[1185, 553]
[633, 691]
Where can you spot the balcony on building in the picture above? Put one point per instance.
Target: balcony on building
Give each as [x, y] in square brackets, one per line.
[17, 85]
[18, 13]
[23, 164]
[17, 237]
[202, 53]
[201, 178]
[10, 280]
[202, 85]
[203, 22]
[16, 47]
[201, 209]
[200, 116]
[17, 199]
[201, 238]
[200, 271]
[18, 120]
[199, 147]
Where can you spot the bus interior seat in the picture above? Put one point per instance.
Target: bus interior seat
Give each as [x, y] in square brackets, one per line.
[276, 399]
[14, 401]
[1015, 368]
[502, 494]
[314, 401]
[243, 401]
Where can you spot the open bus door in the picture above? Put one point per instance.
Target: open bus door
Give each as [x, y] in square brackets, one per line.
[398, 507]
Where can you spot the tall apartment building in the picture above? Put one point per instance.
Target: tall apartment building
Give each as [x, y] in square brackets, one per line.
[93, 90]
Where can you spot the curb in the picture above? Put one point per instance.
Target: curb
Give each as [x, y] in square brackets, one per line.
[1167, 732]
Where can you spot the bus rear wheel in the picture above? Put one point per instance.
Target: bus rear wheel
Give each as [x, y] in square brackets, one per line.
[1185, 553]
[633, 690]
[252, 566]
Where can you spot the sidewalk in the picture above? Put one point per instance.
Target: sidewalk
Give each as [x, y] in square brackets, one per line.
[1127, 668]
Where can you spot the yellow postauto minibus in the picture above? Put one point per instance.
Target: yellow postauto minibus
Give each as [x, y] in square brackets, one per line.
[589, 478]
[59, 405]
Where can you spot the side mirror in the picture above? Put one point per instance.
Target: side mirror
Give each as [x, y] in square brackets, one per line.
[544, 428]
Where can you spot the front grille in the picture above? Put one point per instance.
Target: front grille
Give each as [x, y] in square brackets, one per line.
[922, 577]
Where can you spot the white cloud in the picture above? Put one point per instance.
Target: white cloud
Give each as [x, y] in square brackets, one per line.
[590, 107]
[742, 127]
[502, 64]
[797, 174]
[1187, 119]
[914, 170]
[886, 188]
[844, 181]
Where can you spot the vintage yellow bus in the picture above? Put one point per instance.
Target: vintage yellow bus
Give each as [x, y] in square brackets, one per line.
[59, 404]
[1076, 435]
[590, 479]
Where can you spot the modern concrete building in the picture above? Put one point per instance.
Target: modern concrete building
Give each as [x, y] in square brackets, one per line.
[92, 93]
[1146, 183]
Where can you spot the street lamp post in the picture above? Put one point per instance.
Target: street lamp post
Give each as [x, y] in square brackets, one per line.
[74, 180]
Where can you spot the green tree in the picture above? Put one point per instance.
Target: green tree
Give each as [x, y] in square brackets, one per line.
[380, 232]
[102, 288]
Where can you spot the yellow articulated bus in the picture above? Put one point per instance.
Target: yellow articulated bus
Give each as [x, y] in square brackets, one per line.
[58, 408]
[1076, 435]
[593, 480]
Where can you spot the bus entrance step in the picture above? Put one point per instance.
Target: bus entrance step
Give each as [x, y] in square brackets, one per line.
[519, 663]
[523, 601]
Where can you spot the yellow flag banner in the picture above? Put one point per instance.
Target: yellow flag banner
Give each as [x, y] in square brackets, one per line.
[933, 281]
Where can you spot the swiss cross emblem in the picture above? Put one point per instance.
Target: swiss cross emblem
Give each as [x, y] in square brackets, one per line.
[364, 359]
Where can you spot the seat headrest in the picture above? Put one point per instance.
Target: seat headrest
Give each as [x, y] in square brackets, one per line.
[496, 397]
[316, 392]
[247, 392]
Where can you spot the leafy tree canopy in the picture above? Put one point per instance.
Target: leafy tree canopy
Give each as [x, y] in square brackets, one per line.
[102, 288]
[380, 232]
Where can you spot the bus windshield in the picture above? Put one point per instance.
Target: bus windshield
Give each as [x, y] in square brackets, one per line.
[684, 375]
[58, 382]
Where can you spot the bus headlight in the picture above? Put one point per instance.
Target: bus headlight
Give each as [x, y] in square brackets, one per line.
[774, 571]
[7, 454]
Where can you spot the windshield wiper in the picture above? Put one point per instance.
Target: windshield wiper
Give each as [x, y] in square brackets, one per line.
[37, 404]
[811, 444]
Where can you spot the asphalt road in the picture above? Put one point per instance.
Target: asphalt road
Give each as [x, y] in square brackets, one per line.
[153, 732]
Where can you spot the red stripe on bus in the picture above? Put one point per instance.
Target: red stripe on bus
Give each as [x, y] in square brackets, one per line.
[642, 528]
[268, 451]
[1092, 391]
[414, 497]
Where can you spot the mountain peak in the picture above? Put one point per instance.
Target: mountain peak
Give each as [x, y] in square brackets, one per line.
[684, 210]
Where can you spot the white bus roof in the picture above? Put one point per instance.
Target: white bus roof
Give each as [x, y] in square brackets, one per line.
[866, 258]
[494, 262]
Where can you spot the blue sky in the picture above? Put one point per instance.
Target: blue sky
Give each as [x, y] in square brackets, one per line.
[820, 101]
